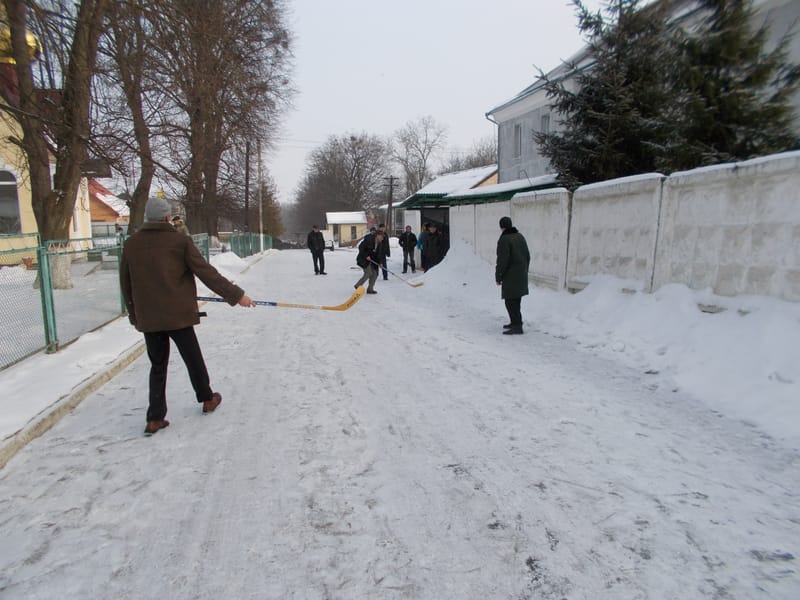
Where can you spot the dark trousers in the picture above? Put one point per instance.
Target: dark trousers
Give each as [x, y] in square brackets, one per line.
[157, 344]
[513, 306]
[408, 259]
[319, 260]
[370, 274]
[383, 268]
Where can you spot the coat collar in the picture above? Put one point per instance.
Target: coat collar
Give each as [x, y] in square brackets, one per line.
[157, 226]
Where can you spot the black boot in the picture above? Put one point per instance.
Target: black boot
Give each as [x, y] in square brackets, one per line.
[516, 330]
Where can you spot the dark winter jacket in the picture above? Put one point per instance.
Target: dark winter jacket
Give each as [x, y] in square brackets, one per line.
[513, 260]
[315, 241]
[157, 272]
[407, 240]
[433, 249]
[385, 250]
[369, 250]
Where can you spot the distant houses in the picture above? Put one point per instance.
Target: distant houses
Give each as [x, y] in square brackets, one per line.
[346, 227]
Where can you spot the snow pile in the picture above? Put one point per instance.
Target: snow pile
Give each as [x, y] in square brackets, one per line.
[741, 361]
[229, 264]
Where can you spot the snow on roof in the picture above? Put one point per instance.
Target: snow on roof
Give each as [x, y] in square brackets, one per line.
[344, 218]
[99, 191]
[445, 184]
[622, 180]
[508, 186]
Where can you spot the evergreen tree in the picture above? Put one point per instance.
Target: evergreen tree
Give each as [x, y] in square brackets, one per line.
[612, 123]
[735, 93]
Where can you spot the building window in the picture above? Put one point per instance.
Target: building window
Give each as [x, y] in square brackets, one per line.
[545, 124]
[517, 140]
[9, 204]
[352, 232]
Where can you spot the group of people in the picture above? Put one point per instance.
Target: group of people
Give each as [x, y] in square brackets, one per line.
[511, 268]
[157, 277]
[374, 250]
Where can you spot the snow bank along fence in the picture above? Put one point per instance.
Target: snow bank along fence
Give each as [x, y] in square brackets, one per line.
[61, 290]
[733, 228]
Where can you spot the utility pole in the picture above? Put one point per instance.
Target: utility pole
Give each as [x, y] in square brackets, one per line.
[247, 186]
[389, 214]
[260, 204]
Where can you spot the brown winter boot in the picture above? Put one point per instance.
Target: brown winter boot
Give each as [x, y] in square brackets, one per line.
[153, 426]
[211, 405]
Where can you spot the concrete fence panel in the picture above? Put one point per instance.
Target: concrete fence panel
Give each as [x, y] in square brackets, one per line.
[614, 230]
[734, 228]
[488, 216]
[543, 218]
[463, 224]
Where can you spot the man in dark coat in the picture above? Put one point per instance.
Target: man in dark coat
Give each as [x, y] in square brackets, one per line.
[369, 255]
[421, 239]
[316, 243]
[408, 242]
[157, 272]
[385, 250]
[511, 272]
[433, 249]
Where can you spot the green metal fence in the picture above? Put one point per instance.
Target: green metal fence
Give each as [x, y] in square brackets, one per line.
[201, 241]
[21, 299]
[51, 293]
[54, 292]
[247, 244]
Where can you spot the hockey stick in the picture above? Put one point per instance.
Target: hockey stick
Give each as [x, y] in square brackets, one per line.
[407, 282]
[343, 306]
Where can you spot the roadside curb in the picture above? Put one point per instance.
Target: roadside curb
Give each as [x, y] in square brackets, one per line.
[45, 420]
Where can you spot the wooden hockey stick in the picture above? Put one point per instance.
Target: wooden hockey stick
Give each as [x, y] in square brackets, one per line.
[343, 306]
[403, 279]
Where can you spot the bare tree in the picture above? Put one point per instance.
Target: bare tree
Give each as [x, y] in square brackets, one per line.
[129, 106]
[483, 153]
[413, 148]
[55, 123]
[345, 173]
[227, 65]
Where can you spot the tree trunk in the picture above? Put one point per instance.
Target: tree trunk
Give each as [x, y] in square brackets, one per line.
[53, 206]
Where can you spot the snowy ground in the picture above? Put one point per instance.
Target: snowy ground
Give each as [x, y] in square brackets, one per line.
[626, 447]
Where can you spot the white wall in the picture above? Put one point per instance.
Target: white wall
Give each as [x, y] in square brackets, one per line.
[488, 216]
[734, 228]
[462, 223]
[544, 218]
[613, 230]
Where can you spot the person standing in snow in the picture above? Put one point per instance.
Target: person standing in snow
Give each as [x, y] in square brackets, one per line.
[157, 276]
[369, 253]
[408, 242]
[423, 235]
[316, 243]
[432, 247]
[385, 250]
[511, 272]
[180, 226]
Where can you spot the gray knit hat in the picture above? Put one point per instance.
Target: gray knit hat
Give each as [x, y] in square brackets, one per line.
[157, 209]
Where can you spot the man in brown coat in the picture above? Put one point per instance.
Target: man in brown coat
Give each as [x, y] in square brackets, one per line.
[157, 274]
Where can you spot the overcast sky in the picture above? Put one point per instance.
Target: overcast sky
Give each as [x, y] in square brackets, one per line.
[373, 65]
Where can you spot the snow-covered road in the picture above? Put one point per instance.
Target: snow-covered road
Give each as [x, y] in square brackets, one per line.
[400, 449]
